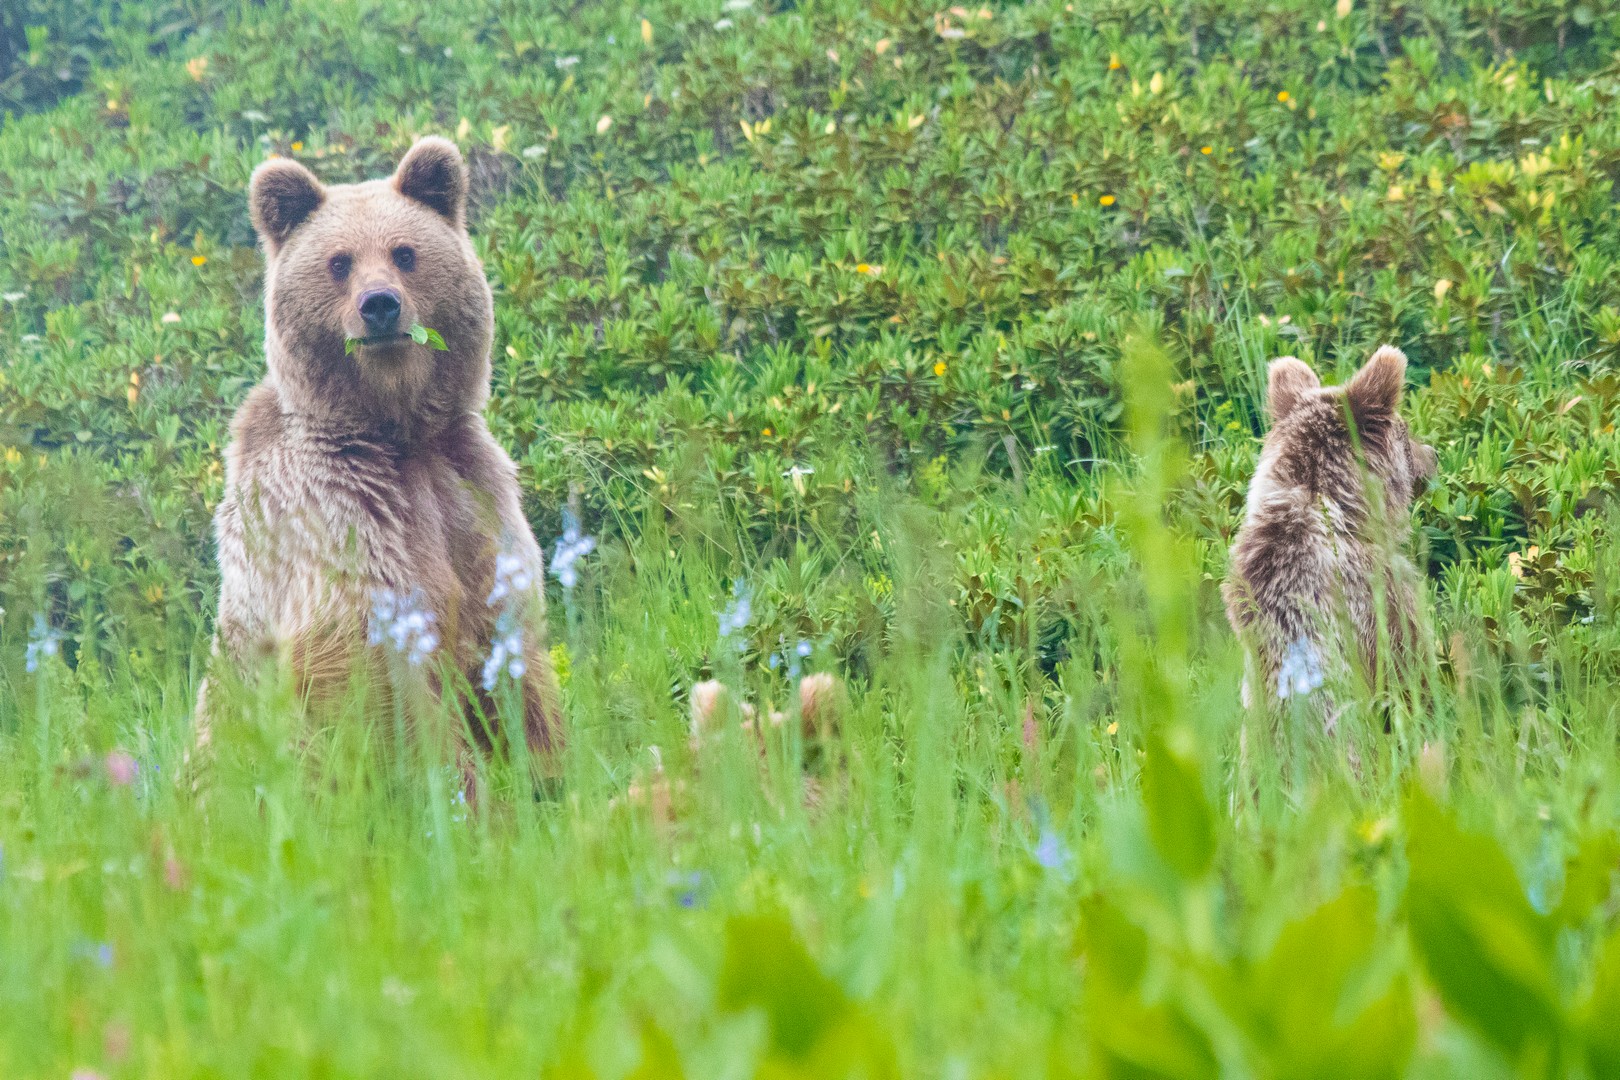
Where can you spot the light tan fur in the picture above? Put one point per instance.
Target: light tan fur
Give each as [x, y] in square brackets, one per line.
[1320, 587]
[353, 472]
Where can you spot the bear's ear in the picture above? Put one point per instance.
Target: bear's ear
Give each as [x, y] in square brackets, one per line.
[1374, 392]
[281, 195]
[433, 174]
[1288, 380]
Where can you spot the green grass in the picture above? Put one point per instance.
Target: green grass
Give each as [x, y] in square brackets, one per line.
[943, 333]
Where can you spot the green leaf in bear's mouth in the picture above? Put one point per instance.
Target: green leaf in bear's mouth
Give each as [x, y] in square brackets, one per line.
[422, 335]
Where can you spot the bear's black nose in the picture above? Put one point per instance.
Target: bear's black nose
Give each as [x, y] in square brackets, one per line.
[380, 309]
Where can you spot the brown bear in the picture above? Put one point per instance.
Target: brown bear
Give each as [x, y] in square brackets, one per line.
[1320, 587]
[367, 508]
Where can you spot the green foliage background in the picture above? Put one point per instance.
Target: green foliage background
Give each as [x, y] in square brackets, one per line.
[837, 299]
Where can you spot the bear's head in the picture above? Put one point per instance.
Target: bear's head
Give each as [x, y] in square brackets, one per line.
[1326, 439]
[352, 270]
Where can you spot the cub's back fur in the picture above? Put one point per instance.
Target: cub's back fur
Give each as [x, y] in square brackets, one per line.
[1318, 577]
[355, 473]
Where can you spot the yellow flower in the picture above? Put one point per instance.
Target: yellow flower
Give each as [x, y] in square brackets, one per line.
[766, 432]
[939, 367]
[297, 147]
[1441, 287]
[646, 32]
[1106, 200]
[1113, 62]
[1283, 96]
[13, 456]
[198, 260]
[1156, 84]
[1113, 729]
[1206, 149]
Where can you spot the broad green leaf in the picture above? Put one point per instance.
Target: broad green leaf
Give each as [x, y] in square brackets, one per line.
[766, 967]
[1588, 878]
[1599, 1017]
[1316, 1009]
[1115, 949]
[1180, 819]
[1488, 952]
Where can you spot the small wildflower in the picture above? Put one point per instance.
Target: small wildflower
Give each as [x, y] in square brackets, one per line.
[797, 474]
[1050, 851]
[532, 152]
[197, 67]
[404, 622]
[12, 297]
[1113, 62]
[254, 116]
[1301, 670]
[572, 546]
[767, 432]
[1441, 287]
[121, 768]
[297, 147]
[198, 260]
[603, 124]
[735, 619]
[1206, 150]
[1283, 96]
[563, 63]
[939, 367]
[170, 317]
[505, 652]
[723, 24]
[512, 576]
[1106, 200]
[42, 641]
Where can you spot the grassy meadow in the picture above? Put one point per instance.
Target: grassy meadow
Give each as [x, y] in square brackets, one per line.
[920, 345]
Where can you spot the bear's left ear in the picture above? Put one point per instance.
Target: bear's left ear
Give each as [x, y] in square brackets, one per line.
[433, 174]
[1374, 392]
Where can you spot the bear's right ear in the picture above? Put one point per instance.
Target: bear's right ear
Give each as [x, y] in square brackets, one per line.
[433, 174]
[1375, 390]
[1288, 380]
[281, 196]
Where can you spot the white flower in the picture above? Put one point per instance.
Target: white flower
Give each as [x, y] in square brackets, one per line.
[723, 24]
[405, 622]
[572, 546]
[12, 297]
[42, 641]
[1300, 671]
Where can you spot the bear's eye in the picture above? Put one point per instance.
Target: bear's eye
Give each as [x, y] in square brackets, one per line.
[339, 265]
[405, 258]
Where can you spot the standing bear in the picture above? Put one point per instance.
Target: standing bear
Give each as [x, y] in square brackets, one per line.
[367, 509]
[1320, 587]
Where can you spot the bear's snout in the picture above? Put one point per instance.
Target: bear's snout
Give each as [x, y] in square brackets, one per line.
[380, 309]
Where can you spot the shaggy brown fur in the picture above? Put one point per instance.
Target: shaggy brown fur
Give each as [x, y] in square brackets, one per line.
[1319, 578]
[351, 473]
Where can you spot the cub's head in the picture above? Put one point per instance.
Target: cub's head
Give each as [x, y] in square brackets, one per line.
[1316, 432]
[352, 269]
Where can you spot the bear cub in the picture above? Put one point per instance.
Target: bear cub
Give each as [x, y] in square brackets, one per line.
[1320, 587]
[367, 507]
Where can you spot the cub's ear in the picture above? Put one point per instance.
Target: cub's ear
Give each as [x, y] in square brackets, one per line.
[281, 195]
[433, 174]
[1374, 392]
[1288, 380]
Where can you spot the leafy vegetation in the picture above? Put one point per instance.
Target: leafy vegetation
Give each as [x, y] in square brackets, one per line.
[938, 335]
